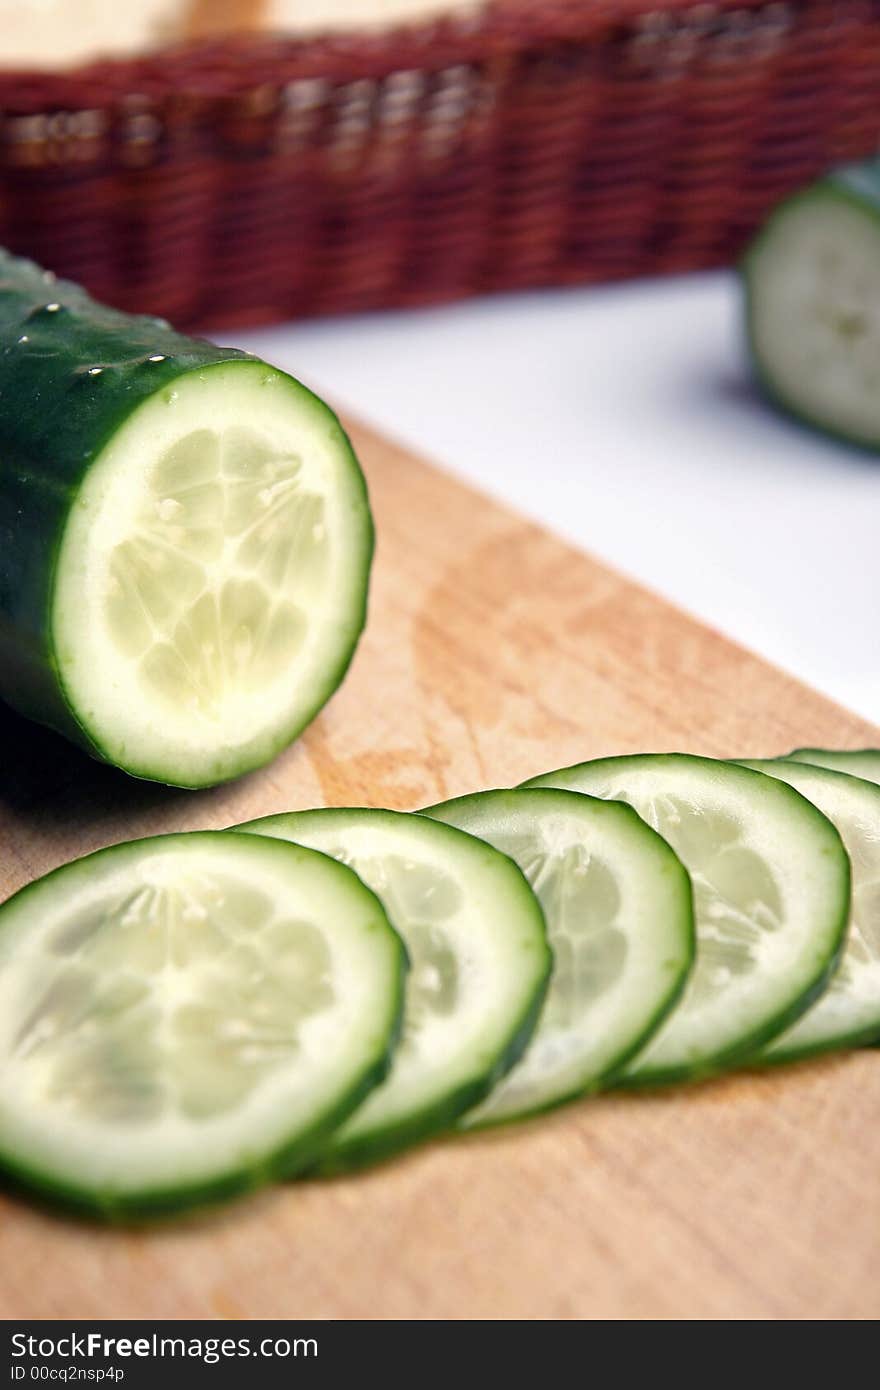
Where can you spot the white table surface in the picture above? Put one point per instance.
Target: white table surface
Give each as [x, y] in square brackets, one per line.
[622, 417]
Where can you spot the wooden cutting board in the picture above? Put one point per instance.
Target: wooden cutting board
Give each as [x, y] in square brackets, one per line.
[493, 652]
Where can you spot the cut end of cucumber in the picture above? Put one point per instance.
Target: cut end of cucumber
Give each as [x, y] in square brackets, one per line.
[212, 580]
[813, 289]
[196, 593]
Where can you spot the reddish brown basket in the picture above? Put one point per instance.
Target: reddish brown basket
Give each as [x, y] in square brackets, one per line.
[251, 179]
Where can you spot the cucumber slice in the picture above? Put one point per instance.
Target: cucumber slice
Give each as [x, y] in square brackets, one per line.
[619, 912]
[771, 885]
[185, 1017]
[812, 287]
[185, 539]
[480, 965]
[848, 1013]
[864, 762]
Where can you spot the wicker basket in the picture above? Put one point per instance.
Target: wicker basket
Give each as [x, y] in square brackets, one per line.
[251, 179]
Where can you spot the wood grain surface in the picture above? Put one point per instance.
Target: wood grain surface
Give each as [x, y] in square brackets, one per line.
[493, 652]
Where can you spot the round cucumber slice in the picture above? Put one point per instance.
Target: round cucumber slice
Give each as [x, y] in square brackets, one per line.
[848, 1013]
[479, 967]
[618, 908]
[185, 1017]
[211, 581]
[812, 283]
[771, 888]
[863, 762]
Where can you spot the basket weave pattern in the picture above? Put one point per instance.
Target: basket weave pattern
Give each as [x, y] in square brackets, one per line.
[247, 180]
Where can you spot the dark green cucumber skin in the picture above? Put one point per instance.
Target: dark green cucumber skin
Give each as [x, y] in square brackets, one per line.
[859, 185]
[289, 1161]
[55, 419]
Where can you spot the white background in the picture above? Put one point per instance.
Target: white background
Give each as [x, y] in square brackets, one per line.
[624, 419]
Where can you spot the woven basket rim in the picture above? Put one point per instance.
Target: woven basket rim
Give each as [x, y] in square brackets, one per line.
[218, 67]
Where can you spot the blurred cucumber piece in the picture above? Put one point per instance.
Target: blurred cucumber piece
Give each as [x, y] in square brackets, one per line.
[812, 288]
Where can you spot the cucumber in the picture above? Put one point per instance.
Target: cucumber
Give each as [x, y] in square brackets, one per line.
[812, 292]
[185, 1017]
[480, 965]
[185, 539]
[771, 883]
[863, 762]
[848, 1013]
[619, 912]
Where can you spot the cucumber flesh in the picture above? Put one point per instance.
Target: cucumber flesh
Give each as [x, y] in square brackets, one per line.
[812, 281]
[864, 762]
[771, 885]
[211, 580]
[185, 539]
[619, 912]
[848, 1013]
[185, 1017]
[479, 967]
